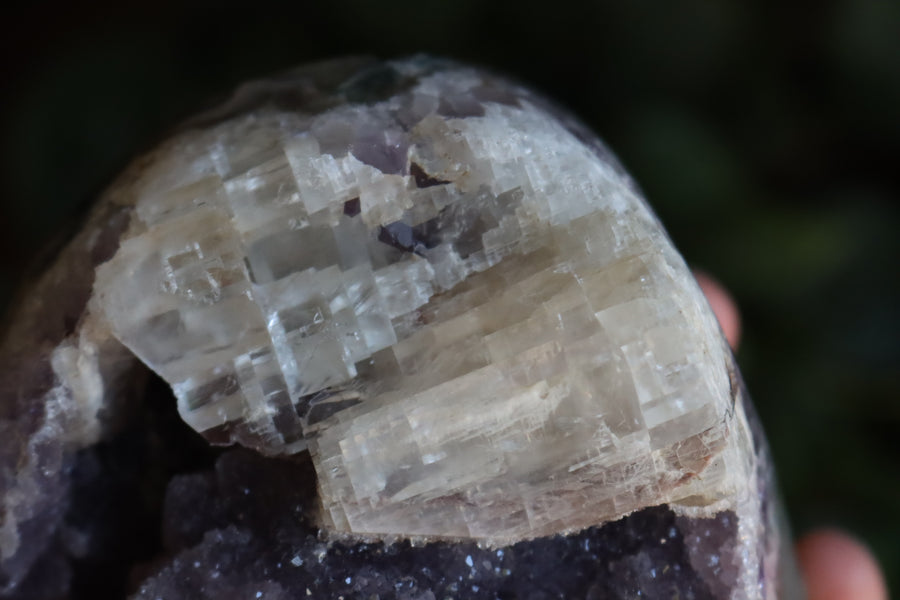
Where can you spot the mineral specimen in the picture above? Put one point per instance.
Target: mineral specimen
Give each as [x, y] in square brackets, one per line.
[443, 294]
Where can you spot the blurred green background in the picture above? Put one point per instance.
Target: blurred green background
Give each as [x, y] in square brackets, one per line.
[766, 134]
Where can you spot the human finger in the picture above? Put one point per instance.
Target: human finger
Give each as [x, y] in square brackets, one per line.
[723, 306]
[837, 567]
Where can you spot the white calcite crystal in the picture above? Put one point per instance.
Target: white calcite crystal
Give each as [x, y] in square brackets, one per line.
[448, 293]
[467, 313]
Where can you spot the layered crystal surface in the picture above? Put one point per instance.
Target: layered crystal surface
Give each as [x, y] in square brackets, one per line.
[467, 313]
[447, 293]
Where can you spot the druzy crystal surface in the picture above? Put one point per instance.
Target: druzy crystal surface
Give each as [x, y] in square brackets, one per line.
[444, 295]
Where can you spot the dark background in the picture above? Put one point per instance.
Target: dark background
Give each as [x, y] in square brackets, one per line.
[766, 135]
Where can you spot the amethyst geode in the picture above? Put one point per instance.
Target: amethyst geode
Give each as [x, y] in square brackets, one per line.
[461, 355]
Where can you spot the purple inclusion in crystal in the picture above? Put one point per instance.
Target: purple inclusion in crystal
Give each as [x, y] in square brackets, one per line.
[384, 150]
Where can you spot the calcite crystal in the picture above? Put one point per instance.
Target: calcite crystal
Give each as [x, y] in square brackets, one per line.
[447, 295]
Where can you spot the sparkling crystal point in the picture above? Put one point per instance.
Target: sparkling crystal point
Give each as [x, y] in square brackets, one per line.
[448, 294]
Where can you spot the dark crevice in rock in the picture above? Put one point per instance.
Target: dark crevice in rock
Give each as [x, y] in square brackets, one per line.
[114, 505]
[423, 179]
[406, 237]
[352, 207]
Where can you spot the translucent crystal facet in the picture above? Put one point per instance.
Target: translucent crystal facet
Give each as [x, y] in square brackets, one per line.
[467, 313]
[452, 297]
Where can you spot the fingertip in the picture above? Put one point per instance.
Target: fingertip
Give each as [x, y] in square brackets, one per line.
[723, 306]
[837, 567]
